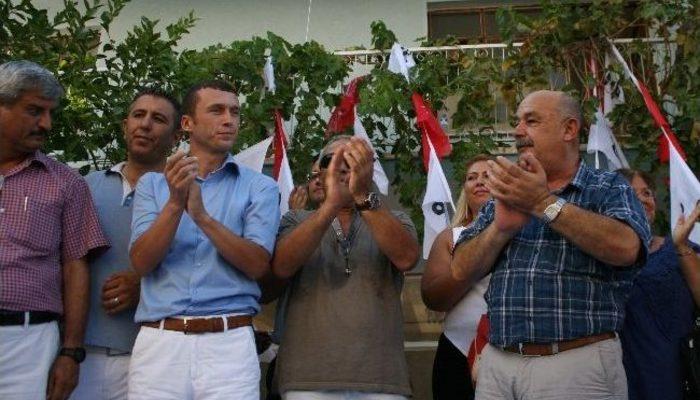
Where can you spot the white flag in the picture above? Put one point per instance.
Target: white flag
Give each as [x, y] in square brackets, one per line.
[438, 198]
[378, 175]
[612, 93]
[601, 138]
[285, 183]
[400, 60]
[269, 75]
[685, 191]
[254, 156]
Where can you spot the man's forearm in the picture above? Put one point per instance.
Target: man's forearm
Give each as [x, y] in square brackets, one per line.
[248, 257]
[392, 238]
[475, 258]
[152, 246]
[76, 294]
[604, 238]
[294, 248]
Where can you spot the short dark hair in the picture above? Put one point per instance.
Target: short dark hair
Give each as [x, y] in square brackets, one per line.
[189, 102]
[156, 91]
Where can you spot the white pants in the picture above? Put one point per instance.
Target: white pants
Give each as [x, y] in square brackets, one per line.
[338, 395]
[26, 355]
[102, 376]
[171, 365]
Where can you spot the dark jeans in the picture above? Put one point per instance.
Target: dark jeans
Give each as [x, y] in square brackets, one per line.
[451, 378]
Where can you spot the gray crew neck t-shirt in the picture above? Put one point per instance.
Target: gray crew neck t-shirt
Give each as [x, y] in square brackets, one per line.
[344, 332]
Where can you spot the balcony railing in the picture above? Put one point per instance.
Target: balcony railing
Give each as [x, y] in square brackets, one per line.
[651, 50]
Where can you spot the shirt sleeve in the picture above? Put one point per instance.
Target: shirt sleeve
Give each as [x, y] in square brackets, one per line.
[481, 222]
[262, 217]
[407, 223]
[620, 202]
[81, 230]
[289, 221]
[145, 209]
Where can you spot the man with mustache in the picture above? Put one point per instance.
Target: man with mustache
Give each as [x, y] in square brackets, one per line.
[48, 228]
[563, 243]
[150, 130]
[203, 232]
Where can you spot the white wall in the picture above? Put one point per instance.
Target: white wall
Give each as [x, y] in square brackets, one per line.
[336, 24]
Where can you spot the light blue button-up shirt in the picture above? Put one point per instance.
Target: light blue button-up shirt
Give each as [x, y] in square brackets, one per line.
[193, 279]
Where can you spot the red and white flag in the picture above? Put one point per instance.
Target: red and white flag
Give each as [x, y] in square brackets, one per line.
[437, 203]
[685, 188]
[281, 170]
[685, 191]
[654, 110]
[430, 128]
[343, 115]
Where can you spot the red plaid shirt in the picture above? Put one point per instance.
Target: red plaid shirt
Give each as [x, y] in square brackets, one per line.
[46, 217]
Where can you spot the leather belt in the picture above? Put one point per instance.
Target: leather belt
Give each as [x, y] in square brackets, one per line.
[8, 318]
[202, 325]
[549, 349]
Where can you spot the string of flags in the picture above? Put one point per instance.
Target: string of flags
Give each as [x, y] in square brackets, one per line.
[684, 185]
[437, 203]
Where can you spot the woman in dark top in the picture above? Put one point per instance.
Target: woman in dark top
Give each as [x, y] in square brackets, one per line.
[659, 312]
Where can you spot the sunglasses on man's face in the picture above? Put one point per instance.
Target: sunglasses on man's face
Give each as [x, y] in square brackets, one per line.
[325, 161]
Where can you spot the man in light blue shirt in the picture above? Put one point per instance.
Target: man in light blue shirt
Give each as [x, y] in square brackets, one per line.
[150, 130]
[202, 233]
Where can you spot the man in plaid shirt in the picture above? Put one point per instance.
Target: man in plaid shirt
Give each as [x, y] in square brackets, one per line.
[563, 242]
[48, 226]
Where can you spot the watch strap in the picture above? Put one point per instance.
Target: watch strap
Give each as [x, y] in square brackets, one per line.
[76, 353]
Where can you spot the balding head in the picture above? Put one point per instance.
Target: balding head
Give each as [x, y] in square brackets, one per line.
[564, 104]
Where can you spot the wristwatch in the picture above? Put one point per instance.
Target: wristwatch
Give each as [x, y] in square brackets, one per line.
[372, 202]
[76, 353]
[553, 210]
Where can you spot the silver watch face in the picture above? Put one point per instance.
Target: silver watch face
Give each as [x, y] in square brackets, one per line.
[552, 211]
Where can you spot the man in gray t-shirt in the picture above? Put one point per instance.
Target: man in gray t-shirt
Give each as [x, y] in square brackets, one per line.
[343, 332]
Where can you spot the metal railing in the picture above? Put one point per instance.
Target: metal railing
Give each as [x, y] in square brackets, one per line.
[654, 50]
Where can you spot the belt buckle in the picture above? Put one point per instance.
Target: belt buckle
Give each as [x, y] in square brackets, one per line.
[520, 351]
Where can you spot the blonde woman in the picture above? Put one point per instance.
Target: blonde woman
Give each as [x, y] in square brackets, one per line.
[464, 305]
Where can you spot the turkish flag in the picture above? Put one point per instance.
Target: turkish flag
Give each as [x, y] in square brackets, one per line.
[429, 126]
[343, 115]
[654, 110]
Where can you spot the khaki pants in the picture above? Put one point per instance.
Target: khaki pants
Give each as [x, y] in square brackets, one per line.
[590, 372]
